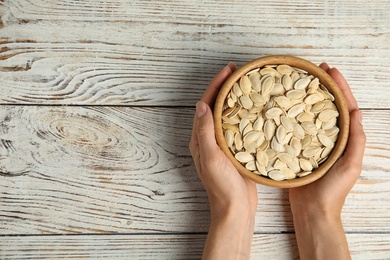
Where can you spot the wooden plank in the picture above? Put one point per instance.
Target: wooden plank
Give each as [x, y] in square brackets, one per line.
[118, 169]
[181, 246]
[165, 53]
[190, 12]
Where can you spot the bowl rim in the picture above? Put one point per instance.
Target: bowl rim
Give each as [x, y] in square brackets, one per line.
[342, 122]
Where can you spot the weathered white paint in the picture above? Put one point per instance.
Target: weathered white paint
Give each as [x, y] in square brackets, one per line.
[117, 161]
[169, 246]
[164, 53]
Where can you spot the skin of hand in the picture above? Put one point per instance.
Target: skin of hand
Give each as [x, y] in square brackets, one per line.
[316, 207]
[233, 198]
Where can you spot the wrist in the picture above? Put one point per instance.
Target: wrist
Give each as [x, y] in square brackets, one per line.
[326, 215]
[235, 214]
[318, 232]
[240, 222]
[230, 234]
[317, 208]
[315, 219]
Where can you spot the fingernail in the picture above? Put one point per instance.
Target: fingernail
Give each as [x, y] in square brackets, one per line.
[227, 67]
[200, 109]
[231, 66]
[360, 117]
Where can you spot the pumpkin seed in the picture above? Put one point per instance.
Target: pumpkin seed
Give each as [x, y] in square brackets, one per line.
[245, 85]
[277, 175]
[251, 166]
[296, 110]
[246, 101]
[296, 94]
[327, 115]
[244, 157]
[287, 82]
[269, 129]
[305, 165]
[302, 83]
[267, 85]
[261, 158]
[284, 69]
[251, 136]
[229, 136]
[325, 140]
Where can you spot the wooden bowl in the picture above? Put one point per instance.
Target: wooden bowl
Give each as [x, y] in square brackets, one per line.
[325, 79]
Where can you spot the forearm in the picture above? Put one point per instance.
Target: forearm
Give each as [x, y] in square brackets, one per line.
[230, 237]
[320, 237]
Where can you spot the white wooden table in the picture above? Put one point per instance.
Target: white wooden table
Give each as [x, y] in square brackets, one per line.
[97, 99]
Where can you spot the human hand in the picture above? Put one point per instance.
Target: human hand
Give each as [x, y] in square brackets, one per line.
[327, 195]
[316, 207]
[233, 198]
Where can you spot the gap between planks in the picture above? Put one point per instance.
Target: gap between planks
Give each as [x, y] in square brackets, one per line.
[135, 106]
[172, 234]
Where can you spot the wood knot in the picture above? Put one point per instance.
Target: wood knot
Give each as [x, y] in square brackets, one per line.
[158, 193]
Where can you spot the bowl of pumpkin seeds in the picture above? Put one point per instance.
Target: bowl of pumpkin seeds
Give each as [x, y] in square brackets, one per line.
[282, 121]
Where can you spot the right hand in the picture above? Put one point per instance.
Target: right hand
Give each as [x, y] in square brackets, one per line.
[327, 195]
[316, 207]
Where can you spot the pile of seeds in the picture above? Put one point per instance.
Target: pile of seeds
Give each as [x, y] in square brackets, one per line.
[280, 122]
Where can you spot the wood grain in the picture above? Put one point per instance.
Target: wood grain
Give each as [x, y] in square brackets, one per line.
[99, 170]
[109, 174]
[264, 246]
[135, 53]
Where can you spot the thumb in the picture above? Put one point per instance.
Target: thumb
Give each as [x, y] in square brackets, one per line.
[348, 168]
[357, 139]
[205, 130]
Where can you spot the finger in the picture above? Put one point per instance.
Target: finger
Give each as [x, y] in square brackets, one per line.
[205, 131]
[232, 66]
[212, 90]
[324, 66]
[344, 87]
[194, 137]
[349, 166]
[210, 95]
[354, 151]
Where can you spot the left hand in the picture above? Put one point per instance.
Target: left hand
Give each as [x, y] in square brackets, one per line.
[224, 185]
[233, 198]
